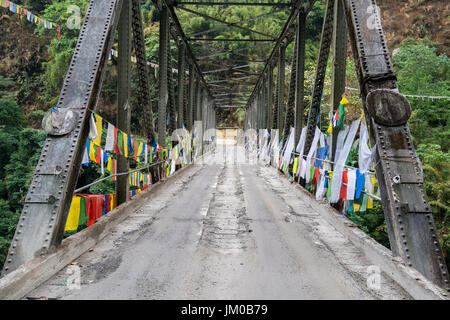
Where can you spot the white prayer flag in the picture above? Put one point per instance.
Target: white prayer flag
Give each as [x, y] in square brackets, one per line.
[93, 129]
[351, 184]
[336, 183]
[109, 146]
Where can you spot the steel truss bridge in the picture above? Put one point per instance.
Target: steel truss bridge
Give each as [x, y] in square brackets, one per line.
[207, 83]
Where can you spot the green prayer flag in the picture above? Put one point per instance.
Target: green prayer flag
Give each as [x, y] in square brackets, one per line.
[83, 215]
[364, 203]
[329, 188]
[341, 117]
[120, 142]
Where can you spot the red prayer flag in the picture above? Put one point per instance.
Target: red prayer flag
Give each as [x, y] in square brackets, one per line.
[316, 175]
[98, 156]
[95, 208]
[59, 32]
[114, 169]
[344, 186]
[116, 144]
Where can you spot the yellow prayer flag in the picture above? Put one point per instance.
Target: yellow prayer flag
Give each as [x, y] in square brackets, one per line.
[109, 165]
[74, 215]
[125, 144]
[112, 201]
[92, 150]
[295, 165]
[139, 150]
[330, 128]
[344, 100]
[98, 125]
[369, 203]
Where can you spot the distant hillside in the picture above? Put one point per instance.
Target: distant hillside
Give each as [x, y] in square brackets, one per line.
[417, 19]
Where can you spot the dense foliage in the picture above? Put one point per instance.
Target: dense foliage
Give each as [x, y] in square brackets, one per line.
[420, 70]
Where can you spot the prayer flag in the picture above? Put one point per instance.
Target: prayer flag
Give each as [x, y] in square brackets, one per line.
[98, 126]
[74, 215]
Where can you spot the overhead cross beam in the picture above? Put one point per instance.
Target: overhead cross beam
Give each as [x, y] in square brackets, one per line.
[231, 39]
[236, 23]
[233, 51]
[209, 3]
[294, 13]
[233, 68]
[230, 24]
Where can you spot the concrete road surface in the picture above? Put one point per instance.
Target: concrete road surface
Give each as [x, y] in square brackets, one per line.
[229, 229]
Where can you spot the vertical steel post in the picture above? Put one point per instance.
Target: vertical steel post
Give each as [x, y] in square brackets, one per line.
[123, 107]
[191, 97]
[181, 83]
[300, 75]
[325, 42]
[163, 65]
[172, 110]
[270, 97]
[280, 89]
[339, 64]
[289, 119]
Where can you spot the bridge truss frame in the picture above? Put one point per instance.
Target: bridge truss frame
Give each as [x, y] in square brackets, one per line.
[409, 219]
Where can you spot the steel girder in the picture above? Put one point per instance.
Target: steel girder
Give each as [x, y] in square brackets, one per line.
[325, 42]
[181, 84]
[300, 74]
[46, 206]
[143, 97]
[163, 89]
[270, 111]
[409, 219]
[339, 43]
[290, 112]
[123, 107]
[191, 97]
[280, 88]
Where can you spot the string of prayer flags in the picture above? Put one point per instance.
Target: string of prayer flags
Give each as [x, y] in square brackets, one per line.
[31, 17]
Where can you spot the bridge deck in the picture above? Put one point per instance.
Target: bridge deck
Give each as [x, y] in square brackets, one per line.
[224, 230]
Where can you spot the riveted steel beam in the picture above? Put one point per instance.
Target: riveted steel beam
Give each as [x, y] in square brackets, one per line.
[324, 50]
[409, 219]
[123, 106]
[46, 206]
[233, 3]
[270, 97]
[339, 64]
[181, 84]
[144, 101]
[191, 89]
[300, 75]
[163, 89]
[280, 87]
